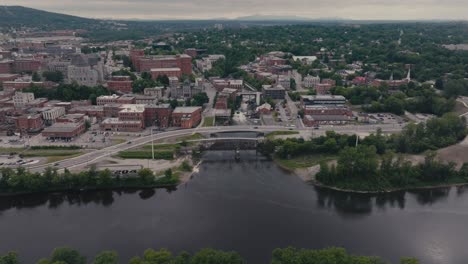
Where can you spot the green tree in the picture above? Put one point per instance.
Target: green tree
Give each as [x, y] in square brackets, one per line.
[67, 255]
[9, 258]
[36, 77]
[106, 257]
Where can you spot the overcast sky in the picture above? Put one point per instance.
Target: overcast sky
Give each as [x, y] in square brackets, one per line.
[199, 9]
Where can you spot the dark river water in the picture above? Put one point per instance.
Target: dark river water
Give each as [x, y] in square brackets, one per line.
[251, 207]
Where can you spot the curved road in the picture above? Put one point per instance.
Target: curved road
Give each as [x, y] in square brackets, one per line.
[97, 155]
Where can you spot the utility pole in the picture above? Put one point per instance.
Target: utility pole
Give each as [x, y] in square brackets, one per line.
[357, 140]
[152, 143]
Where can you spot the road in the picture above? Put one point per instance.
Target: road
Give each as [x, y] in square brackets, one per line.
[98, 155]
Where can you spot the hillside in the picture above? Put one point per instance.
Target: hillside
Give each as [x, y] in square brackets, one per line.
[23, 16]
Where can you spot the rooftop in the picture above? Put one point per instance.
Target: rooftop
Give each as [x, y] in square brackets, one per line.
[132, 108]
[186, 110]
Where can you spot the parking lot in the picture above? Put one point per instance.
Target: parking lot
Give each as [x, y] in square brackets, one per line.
[385, 118]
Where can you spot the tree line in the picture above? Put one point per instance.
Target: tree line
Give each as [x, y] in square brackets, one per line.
[361, 168]
[20, 180]
[290, 255]
[434, 134]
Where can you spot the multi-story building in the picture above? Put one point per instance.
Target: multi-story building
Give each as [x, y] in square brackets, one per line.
[12, 86]
[26, 65]
[86, 70]
[51, 114]
[173, 82]
[64, 130]
[158, 115]
[146, 99]
[186, 117]
[322, 100]
[158, 92]
[107, 99]
[122, 84]
[29, 123]
[131, 118]
[274, 92]
[311, 81]
[284, 81]
[21, 99]
[7, 77]
[6, 66]
[169, 72]
[146, 63]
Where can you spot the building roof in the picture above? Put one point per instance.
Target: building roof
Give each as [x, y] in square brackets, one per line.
[186, 110]
[132, 108]
[62, 127]
[118, 121]
[164, 69]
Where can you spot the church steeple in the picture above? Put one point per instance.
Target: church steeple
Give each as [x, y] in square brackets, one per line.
[408, 77]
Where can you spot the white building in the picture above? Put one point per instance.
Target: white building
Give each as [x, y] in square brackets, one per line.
[158, 92]
[52, 113]
[311, 81]
[85, 70]
[21, 99]
[284, 81]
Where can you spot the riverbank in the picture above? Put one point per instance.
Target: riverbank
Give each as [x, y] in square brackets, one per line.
[308, 175]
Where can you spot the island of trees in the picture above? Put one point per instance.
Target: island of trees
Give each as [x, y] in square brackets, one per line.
[288, 255]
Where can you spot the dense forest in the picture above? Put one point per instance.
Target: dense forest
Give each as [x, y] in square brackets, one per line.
[289, 255]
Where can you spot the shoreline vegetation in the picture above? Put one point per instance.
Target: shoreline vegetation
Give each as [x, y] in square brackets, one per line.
[20, 181]
[376, 163]
[150, 256]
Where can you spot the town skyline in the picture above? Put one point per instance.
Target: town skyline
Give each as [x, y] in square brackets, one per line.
[295, 9]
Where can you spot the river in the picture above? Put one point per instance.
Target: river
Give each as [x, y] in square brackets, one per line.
[251, 206]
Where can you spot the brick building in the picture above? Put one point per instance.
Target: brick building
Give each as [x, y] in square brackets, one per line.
[64, 130]
[158, 115]
[29, 123]
[121, 84]
[144, 63]
[169, 72]
[186, 117]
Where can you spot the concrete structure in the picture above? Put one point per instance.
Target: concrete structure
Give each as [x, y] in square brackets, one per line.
[51, 114]
[21, 99]
[186, 117]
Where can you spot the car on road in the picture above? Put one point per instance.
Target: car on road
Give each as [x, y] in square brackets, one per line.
[129, 142]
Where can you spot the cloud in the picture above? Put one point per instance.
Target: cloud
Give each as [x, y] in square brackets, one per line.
[199, 9]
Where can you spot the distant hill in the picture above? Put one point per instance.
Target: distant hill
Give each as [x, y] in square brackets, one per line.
[23, 16]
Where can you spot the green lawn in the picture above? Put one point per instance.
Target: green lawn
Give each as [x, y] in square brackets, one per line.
[191, 137]
[304, 161]
[281, 133]
[146, 154]
[162, 146]
[208, 121]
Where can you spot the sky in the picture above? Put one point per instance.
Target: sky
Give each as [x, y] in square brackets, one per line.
[205, 9]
